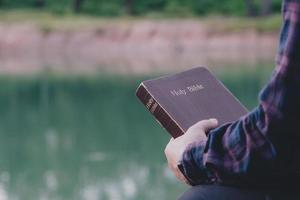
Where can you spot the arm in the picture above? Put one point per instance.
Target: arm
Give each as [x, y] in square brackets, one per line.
[262, 143]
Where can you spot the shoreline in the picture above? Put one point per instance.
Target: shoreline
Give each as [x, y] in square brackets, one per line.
[129, 47]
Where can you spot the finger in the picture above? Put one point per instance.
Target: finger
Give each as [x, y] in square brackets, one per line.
[177, 172]
[208, 124]
[171, 140]
[167, 148]
[180, 176]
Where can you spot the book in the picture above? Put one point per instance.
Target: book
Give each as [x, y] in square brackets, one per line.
[178, 101]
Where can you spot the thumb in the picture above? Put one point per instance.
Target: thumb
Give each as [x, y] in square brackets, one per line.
[208, 124]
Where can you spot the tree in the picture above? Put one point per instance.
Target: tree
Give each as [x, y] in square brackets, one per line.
[128, 5]
[39, 3]
[250, 8]
[266, 7]
[78, 5]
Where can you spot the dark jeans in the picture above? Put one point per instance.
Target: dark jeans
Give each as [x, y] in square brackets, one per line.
[217, 192]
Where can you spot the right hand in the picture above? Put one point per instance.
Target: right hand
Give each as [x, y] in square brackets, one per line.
[175, 148]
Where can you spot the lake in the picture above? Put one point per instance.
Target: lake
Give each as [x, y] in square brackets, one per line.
[88, 137]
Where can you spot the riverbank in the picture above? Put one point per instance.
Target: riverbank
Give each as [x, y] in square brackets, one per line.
[33, 42]
[48, 21]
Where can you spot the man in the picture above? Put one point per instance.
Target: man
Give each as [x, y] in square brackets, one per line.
[257, 154]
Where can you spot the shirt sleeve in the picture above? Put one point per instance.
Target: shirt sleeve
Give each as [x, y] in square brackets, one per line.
[261, 144]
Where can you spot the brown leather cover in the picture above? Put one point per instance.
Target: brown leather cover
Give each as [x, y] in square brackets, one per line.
[179, 101]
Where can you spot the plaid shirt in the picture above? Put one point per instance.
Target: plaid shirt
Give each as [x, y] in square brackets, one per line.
[260, 148]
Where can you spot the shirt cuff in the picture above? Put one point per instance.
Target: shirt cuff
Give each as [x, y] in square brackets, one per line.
[192, 165]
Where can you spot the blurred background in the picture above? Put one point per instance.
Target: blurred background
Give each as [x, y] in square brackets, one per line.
[70, 124]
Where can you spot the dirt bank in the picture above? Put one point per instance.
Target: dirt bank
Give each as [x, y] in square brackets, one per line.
[138, 47]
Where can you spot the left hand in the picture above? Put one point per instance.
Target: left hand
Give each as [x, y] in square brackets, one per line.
[175, 148]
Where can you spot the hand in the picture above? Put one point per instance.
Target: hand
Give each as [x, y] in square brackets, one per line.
[175, 148]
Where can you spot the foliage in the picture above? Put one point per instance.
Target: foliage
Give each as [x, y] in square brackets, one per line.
[144, 7]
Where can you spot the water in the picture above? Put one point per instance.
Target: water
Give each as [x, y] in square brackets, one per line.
[89, 138]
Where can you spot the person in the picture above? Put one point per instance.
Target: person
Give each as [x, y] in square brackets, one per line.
[255, 157]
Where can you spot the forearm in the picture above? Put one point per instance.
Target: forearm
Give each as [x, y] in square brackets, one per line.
[230, 150]
[267, 136]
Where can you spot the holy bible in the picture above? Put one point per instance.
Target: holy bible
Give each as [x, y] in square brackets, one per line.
[179, 101]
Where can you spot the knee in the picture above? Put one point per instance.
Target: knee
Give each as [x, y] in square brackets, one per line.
[194, 193]
[217, 192]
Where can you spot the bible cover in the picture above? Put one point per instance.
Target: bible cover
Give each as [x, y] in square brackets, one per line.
[179, 101]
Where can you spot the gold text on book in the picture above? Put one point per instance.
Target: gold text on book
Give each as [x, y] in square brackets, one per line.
[186, 90]
[151, 105]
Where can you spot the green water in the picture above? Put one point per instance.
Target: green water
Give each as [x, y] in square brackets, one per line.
[88, 138]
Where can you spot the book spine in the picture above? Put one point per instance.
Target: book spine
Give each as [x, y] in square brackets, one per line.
[163, 118]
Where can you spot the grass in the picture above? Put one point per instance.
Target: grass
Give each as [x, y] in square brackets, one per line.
[50, 21]
[236, 24]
